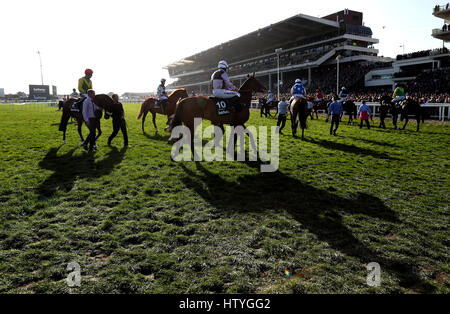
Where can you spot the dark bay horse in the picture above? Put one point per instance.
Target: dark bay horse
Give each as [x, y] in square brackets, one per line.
[149, 106]
[100, 100]
[404, 109]
[299, 114]
[351, 110]
[319, 106]
[266, 108]
[204, 107]
[412, 107]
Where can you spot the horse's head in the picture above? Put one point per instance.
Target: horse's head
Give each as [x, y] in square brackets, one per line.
[253, 85]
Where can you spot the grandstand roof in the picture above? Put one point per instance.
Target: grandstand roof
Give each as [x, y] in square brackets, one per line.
[298, 27]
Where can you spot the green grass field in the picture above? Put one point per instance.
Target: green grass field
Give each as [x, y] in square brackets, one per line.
[137, 222]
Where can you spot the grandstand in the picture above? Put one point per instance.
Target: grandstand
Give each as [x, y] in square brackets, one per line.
[411, 68]
[309, 47]
[442, 12]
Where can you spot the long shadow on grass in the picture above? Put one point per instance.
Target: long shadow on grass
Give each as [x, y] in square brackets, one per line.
[318, 210]
[68, 168]
[350, 149]
[157, 137]
[373, 142]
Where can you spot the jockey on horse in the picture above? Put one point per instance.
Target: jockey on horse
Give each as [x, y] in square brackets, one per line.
[297, 91]
[319, 97]
[270, 98]
[162, 95]
[84, 85]
[343, 95]
[399, 94]
[224, 89]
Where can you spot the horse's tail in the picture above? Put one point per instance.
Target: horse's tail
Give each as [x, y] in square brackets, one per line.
[142, 111]
[64, 120]
[303, 114]
[176, 121]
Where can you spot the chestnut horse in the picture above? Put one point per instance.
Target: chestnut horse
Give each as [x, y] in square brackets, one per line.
[299, 113]
[149, 106]
[204, 107]
[103, 101]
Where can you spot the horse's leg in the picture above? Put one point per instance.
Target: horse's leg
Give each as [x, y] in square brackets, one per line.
[143, 120]
[294, 123]
[405, 116]
[80, 132]
[191, 128]
[418, 122]
[99, 131]
[154, 122]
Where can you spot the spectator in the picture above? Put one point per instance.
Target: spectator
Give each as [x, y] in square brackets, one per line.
[364, 114]
[89, 117]
[282, 112]
[118, 119]
[336, 111]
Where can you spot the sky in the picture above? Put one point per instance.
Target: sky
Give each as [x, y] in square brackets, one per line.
[127, 43]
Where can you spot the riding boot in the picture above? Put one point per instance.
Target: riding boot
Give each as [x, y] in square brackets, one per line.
[163, 104]
[232, 116]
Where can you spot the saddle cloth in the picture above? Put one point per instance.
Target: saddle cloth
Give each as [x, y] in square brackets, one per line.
[225, 106]
[77, 106]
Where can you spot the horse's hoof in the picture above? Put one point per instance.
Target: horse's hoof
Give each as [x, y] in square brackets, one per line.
[64, 142]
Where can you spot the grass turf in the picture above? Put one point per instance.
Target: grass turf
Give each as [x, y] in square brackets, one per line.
[137, 222]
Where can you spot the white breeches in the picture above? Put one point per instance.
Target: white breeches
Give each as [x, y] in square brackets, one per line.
[224, 93]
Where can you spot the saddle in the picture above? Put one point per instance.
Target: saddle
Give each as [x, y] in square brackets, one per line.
[159, 103]
[77, 106]
[226, 106]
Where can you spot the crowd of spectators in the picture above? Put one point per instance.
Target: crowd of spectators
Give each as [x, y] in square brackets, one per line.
[438, 8]
[428, 87]
[424, 53]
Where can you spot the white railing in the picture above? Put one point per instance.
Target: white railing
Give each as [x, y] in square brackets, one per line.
[254, 105]
[40, 105]
[441, 106]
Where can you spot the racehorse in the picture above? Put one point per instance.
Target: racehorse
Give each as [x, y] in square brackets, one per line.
[100, 100]
[204, 107]
[149, 106]
[404, 109]
[299, 114]
[267, 107]
[320, 105]
[351, 110]
[410, 106]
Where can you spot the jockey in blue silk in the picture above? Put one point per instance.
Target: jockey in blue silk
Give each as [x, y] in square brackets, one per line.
[343, 95]
[297, 91]
[270, 98]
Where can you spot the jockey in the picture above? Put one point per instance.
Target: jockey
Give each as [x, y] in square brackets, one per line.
[343, 95]
[297, 91]
[319, 96]
[162, 95]
[85, 83]
[399, 94]
[74, 94]
[270, 98]
[222, 87]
